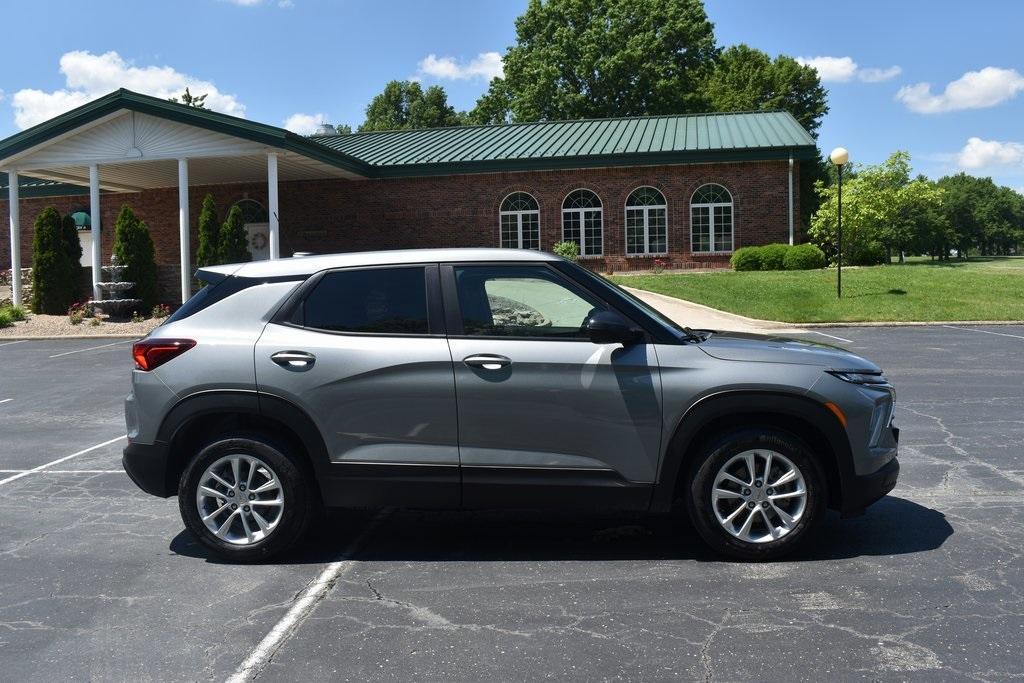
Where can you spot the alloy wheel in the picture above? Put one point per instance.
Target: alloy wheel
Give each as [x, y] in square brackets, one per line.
[240, 499]
[759, 496]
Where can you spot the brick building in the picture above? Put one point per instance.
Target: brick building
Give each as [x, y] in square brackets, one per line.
[685, 189]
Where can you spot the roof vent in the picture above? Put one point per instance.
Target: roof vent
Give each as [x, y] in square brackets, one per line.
[325, 129]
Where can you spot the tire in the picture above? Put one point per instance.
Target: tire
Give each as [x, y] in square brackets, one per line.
[781, 518]
[258, 531]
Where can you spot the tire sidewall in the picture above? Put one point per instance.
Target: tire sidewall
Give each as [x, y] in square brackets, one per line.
[702, 481]
[295, 487]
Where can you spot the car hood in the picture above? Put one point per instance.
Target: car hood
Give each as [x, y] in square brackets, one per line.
[742, 346]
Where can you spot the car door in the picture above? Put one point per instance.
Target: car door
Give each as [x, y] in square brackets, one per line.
[545, 415]
[362, 351]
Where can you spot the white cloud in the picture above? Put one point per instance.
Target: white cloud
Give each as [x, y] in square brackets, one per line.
[486, 65]
[843, 69]
[285, 4]
[88, 76]
[978, 153]
[304, 124]
[244, 3]
[973, 90]
[871, 75]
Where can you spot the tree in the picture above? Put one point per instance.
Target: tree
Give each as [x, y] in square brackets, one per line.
[133, 247]
[746, 79]
[598, 58]
[233, 242]
[405, 104]
[73, 246]
[982, 215]
[883, 211]
[209, 231]
[54, 287]
[190, 100]
[343, 129]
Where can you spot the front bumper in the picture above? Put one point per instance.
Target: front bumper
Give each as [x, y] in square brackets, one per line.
[865, 489]
[146, 465]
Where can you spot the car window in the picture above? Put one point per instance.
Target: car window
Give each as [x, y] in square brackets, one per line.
[382, 301]
[521, 301]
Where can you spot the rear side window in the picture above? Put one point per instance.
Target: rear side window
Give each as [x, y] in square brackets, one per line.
[220, 290]
[372, 300]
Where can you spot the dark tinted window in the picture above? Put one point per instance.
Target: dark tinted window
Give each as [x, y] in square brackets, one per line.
[384, 301]
[521, 301]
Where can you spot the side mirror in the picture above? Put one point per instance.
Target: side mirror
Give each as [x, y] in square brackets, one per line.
[608, 327]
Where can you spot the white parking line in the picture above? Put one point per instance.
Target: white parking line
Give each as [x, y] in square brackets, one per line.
[20, 341]
[19, 475]
[971, 329]
[64, 471]
[831, 336]
[303, 606]
[91, 348]
[6, 400]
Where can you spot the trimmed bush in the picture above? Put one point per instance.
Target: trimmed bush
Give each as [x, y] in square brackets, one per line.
[233, 243]
[133, 247]
[54, 275]
[5, 318]
[570, 251]
[209, 231]
[804, 257]
[772, 256]
[869, 254]
[746, 258]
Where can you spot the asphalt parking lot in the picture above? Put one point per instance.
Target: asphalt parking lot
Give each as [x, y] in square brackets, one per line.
[99, 581]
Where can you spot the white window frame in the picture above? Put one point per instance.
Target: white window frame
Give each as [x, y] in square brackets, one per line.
[711, 206]
[579, 216]
[646, 208]
[519, 221]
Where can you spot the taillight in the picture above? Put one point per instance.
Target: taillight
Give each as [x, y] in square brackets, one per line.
[152, 353]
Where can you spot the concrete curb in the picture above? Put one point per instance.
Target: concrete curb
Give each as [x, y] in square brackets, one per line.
[4, 340]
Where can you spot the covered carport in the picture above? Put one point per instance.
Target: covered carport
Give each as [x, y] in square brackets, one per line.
[127, 142]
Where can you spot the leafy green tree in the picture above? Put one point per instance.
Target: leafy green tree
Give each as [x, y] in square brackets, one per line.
[596, 58]
[73, 245]
[882, 211]
[54, 286]
[133, 247]
[982, 215]
[405, 104]
[233, 242]
[746, 79]
[190, 100]
[209, 231]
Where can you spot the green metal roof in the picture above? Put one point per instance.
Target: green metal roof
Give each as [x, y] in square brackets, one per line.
[37, 187]
[548, 145]
[568, 144]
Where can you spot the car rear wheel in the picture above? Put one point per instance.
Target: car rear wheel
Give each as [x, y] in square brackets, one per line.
[244, 498]
[756, 494]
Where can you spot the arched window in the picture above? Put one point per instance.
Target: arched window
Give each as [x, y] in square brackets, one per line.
[520, 222]
[646, 222]
[711, 219]
[252, 211]
[582, 222]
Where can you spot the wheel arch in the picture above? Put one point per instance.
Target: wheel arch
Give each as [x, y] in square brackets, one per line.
[718, 413]
[196, 418]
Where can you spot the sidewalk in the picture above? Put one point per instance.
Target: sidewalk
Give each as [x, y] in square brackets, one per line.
[698, 316]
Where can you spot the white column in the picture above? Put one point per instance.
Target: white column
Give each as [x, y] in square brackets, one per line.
[94, 221]
[183, 232]
[12, 201]
[791, 200]
[275, 225]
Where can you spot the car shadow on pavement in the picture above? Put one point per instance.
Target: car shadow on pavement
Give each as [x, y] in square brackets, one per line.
[893, 526]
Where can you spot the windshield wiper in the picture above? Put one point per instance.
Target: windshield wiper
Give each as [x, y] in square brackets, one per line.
[691, 334]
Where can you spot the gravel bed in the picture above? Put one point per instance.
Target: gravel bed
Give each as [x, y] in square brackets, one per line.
[60, 326]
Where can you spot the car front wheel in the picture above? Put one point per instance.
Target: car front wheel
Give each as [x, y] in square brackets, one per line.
[756, 494]
[244, 498]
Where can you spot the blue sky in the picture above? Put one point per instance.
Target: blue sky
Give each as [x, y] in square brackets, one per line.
[296, 61]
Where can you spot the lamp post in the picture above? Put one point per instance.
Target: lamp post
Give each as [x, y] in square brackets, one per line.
[839, 157]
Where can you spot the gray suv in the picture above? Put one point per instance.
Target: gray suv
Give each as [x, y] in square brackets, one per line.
[487, 378]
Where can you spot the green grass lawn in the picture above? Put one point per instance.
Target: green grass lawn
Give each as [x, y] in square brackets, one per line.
[984, 288]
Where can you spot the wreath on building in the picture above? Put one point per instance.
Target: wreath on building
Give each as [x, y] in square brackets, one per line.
[259, 241]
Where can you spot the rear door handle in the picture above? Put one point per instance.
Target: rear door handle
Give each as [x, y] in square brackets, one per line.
[294, 360]
[487, 361]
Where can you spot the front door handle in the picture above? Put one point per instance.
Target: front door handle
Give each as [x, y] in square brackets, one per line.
[294, 360]
[487, 361]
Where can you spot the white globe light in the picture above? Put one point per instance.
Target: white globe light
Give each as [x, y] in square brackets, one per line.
[839, 156]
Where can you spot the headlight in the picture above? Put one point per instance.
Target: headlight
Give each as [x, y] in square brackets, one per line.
[864, 377]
